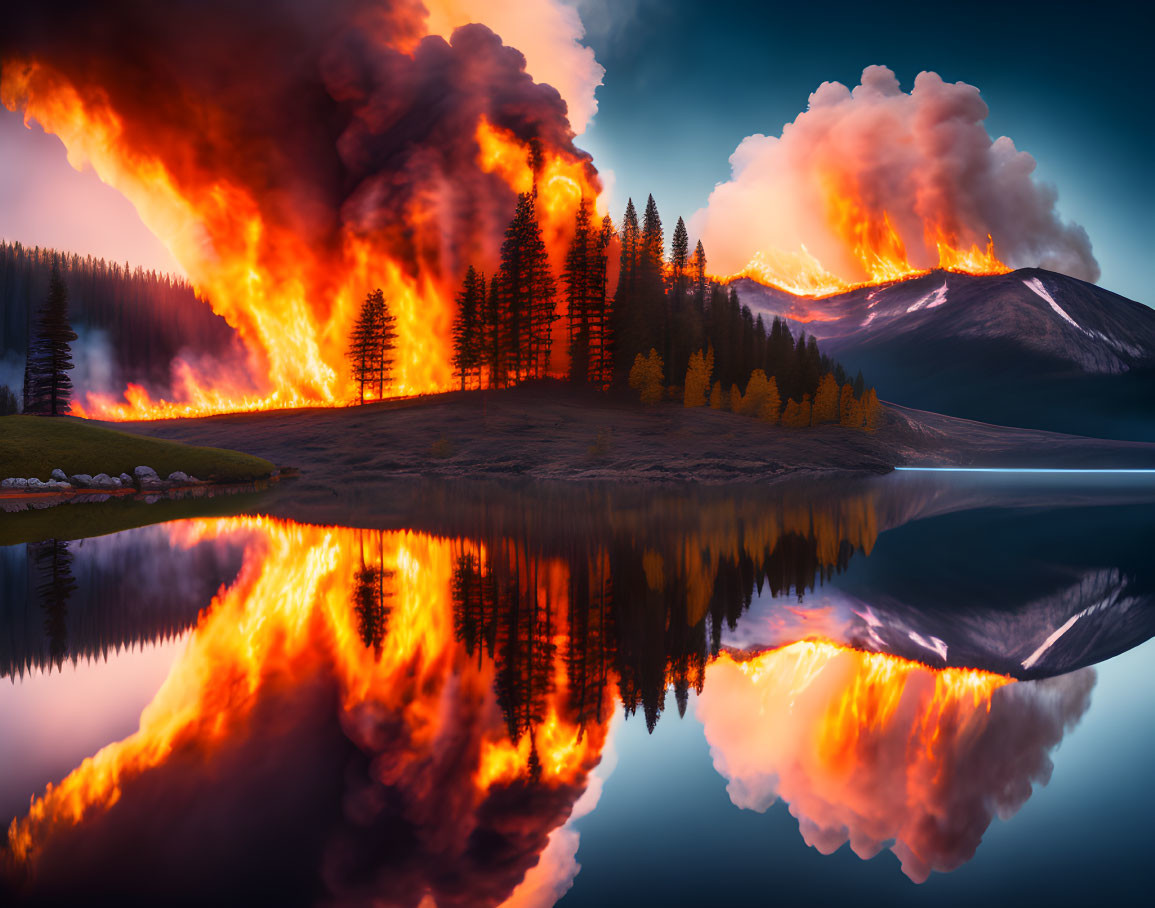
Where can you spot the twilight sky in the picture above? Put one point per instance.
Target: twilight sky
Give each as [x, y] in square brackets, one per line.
[686, 82]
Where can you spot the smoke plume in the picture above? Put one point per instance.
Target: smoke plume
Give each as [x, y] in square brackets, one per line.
[294, 156]
[858, 162]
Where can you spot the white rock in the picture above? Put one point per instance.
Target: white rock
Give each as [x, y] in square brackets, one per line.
[145, 473]
[81, 480]
[178, 476]
[125, 480]
[59, 475]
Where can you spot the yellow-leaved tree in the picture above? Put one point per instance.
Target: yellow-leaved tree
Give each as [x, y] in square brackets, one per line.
[825, 401]
[646, 376]
[847, 407]
[756, 389]
[790, 414]
[717, 397]
[698, 378]
[735, 399]
[772, 404]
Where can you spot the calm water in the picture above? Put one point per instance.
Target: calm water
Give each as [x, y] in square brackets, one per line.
[917, 689]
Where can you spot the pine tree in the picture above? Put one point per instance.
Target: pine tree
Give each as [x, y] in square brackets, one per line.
[580, 262]
[701, 279]
[601, 339]
[385, 325]
[651, 291]
[679, 259]
[49, 387]
[467, 325]
[494, 335]
[365, 344]
[626, 317]
[528, 293]
[859, 385]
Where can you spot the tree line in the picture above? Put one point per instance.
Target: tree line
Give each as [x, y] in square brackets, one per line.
[667, 329]
[47, 386]
[147, 317]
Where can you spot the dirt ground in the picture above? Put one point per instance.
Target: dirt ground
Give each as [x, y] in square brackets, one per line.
[360, 455]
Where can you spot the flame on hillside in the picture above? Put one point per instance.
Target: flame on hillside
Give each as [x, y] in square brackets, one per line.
[878, 249]
[285, 252]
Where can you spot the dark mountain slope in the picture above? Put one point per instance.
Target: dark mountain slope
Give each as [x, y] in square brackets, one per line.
[1031, 348]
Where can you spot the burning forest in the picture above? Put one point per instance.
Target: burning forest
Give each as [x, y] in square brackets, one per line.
[404, 146]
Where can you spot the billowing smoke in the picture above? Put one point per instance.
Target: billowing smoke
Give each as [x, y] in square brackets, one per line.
[295, 155]
[859, 162]
[548, 32]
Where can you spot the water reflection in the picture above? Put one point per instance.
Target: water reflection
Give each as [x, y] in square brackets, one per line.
[415, 717]
[880, 752]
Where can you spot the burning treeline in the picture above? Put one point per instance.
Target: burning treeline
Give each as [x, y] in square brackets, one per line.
[297, 159]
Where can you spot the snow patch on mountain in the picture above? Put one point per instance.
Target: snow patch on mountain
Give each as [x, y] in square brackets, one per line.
[934, 299]
[1036, 285]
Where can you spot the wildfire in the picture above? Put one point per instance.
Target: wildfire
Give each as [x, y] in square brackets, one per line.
[872, 244]
[880, 252]
[278, 268]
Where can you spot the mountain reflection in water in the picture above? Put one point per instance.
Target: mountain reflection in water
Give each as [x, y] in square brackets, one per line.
[410, 717]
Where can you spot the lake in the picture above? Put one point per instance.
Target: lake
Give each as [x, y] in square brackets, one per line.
[918, 688]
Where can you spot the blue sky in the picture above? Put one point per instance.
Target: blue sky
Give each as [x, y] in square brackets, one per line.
[686, 82]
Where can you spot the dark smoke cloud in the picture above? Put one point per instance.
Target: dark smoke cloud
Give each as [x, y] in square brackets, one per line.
[329, 113]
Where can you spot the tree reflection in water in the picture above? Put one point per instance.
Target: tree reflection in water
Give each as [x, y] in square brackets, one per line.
[431, 708]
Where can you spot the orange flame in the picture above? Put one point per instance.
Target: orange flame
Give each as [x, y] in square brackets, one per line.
[875, 246]
[290, 301]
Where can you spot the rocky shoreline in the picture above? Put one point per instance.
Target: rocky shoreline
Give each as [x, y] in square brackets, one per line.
[144, 479]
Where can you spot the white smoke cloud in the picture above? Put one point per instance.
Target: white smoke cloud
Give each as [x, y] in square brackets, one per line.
[923, 158]
[547, 32]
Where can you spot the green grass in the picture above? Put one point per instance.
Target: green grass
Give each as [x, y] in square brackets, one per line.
[36, 445]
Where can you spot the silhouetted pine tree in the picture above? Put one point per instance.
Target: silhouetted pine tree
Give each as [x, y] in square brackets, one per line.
[627, 319]
[365, 344]
[48, 390]
[580, 263]
[528, 293]
[468, 340]
[386, 326]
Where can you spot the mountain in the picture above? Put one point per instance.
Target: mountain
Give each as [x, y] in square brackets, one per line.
[1031, 348]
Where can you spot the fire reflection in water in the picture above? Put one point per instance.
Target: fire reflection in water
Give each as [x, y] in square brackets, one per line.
[874, 750]
[474, 682]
